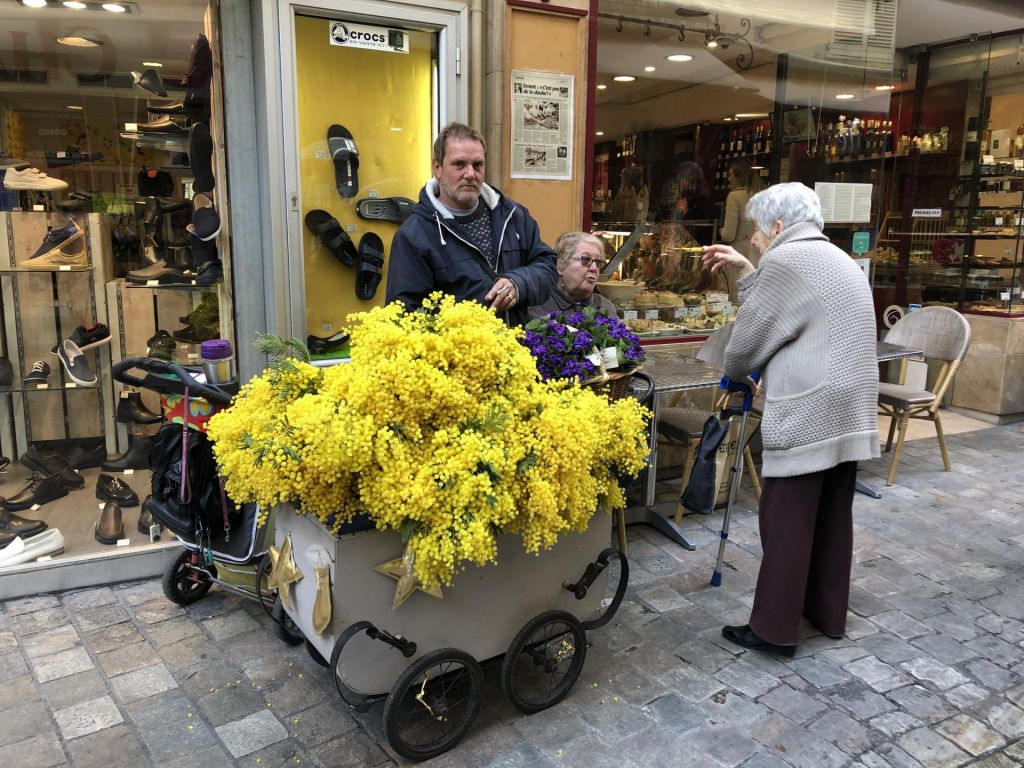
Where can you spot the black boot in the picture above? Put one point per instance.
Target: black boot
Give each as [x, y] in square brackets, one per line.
[136, 457]
[130, 409]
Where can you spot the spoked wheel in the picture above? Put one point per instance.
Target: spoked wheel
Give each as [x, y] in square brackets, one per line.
[284, 627]
[315, 654]
[433, 703]
[544, 661]
[183, 583]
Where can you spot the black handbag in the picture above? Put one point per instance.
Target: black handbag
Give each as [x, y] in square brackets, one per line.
[155, 183]
[702, 487]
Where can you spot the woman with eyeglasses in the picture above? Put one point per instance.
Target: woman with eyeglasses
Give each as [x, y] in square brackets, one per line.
[580, 261]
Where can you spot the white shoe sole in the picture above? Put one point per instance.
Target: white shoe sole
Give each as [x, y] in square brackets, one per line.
[49, 542]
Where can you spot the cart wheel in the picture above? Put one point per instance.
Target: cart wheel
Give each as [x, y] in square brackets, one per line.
[284, 627]
[543, 661]
[433, 703]
[311, 649]
[182, 583]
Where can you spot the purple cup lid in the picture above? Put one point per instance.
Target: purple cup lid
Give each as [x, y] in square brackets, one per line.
[215, 349]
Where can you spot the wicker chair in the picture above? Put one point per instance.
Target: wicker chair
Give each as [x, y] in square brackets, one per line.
[943, 335]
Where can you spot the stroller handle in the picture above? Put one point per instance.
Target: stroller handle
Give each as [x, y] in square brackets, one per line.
[159, 377]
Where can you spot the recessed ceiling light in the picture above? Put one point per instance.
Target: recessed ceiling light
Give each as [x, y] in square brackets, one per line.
[114, 7]
[728, 119]
[395, 129]
[599, 133]
[34, 3]
[601, 86]
[885, 87]
[712, 43]
[648, 69]
[623, 78]
[74, 106]
[76, 41]
[153, 64]
[844, 96]
[751, 114]
[679, 57]
[74, 5]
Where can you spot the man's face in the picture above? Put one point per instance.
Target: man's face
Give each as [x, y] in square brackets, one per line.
[461, 176]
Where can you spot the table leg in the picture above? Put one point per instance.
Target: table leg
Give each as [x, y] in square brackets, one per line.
[660, 523]
[652, 457]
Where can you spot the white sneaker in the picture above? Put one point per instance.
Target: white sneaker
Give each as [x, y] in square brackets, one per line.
[32, 178]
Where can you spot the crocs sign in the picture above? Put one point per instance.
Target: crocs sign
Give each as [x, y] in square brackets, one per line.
[364, 36]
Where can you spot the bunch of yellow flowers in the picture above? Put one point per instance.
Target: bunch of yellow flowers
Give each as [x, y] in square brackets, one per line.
[439, 428]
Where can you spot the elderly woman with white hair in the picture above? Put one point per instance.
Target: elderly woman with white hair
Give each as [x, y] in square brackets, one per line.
[580, 258]
[806, 321]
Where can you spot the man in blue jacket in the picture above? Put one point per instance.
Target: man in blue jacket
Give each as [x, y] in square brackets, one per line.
[467, 239]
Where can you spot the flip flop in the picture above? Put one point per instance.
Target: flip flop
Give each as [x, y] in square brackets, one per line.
[327, 228]
[346, 159]
[393, 209]
[371, 263]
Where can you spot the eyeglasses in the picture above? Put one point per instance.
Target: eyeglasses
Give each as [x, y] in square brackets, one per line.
[586, 261]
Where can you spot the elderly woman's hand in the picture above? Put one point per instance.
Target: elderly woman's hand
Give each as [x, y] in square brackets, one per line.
[719, 256]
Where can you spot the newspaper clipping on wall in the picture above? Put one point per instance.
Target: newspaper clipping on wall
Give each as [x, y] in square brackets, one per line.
[542, 106]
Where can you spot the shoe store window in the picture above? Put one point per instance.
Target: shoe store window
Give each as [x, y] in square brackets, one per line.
[111, 249]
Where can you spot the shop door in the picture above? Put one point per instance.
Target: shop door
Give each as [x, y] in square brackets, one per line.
[371, 84]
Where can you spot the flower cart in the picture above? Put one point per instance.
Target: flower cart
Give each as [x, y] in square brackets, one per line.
[423, 658]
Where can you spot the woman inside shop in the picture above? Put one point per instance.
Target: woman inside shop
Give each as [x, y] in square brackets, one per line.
[693, 205]
[806, 321]
[737, 228]
[580, 259]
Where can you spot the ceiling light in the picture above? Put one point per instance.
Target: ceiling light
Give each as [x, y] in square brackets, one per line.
[648, 69]
[751, 114]
[623, 78]
[844, 96]
[153, 64]
[711, 43]
[114, 7]
[74, 106]
[601, 87]
[679, 57]
[74, 5]
[34, 3]
[599, 133]
[76, 41]
[728, 119]
[885, 87]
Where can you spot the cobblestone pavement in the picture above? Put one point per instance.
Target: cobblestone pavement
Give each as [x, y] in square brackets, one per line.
[931, 672]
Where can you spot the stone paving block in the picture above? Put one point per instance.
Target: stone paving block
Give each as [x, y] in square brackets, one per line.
[727, 708]
[37, 621]
[229, 625]
[143, 683]
[187, 652]
[946, 647]
[170, 726]
[747, 679]
[8, 642]
[727, 745]
[921, 703]
[998, 651]
[62, 664]
[50, 641]
[93, 619]
[693, 683]
[996, 761]
[636, 687]
[618, 720]
[173, 631]
[251, 733]
[316, 725]
[520, 756]
[74, 689]
[84, 599]
[970, 734]
[889, 756]
[216, 603]
[87, 717]
[31, 604]
[1016, 694]
[790, 703]
[876, 673]
[894, 723]
[931, 671]
[41, 751]
[819, 672]
[230, 703]
[1007, 718]
[764, 760]
[674, 712]
[208, 757]
[353, 750]
[991, 676]
[283, 754]
[114, 636]
[111, 747]
[22, 722]
[155, 611]
[17, 691]
[138, 592]
[126, 658]
[663, 598]
[932, 749]
[889, 648]
[966, 695]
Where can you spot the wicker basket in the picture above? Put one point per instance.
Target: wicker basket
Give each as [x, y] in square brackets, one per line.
[613, 385]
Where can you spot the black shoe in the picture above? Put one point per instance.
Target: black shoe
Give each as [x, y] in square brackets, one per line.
[85, 458]
[744, 636]
[115, 489]
[161, 346]
[318, 345]
[209, 273]
[170, 108]
[72, 479]
[39, 490]
[130, 409]
[13, 525]
[45, 463]
[146, 519]
[136, 457]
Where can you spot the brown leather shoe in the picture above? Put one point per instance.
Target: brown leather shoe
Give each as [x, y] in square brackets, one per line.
[110, 527]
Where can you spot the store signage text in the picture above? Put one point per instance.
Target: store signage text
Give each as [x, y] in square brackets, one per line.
[927, 213]
[365, 36]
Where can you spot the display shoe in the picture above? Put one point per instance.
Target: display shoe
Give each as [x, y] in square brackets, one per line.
[144, 274]
[69, 255]
[76, 203]
[147, 521]
[110, 527]
[39, 374]
[49, 542]
[205, 219]
[109, 488]
[166, 125]
[318, 345]
[39, 490]
[150, 81]
[56, 239]
[192, 335]
[75, 365]
[87, 338]
[150, 249]
[15, 525]
[130, 409]
[136, 457]
[170, 108]
[33, 179]
[72, 479]
[161, 346]
[42, 462]
[168, 275]
[209, 273]
[78, 457]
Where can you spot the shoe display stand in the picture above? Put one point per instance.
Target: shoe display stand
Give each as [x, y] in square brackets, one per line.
[41, 308]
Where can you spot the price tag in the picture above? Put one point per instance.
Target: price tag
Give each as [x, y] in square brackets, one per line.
[42, 386]
[727, 309]
[124, 542]
[34, 508]
[373, 193]
[988, 159]
[629, 314]
[44, 559]
[595, 358]
[70, 385]
[611, 358]
[1004, 295]
[124, 394]
[101, 505]
[999, 221]
[650, 314]
[61, 154]
[1018, 163]
[679, 312]
[131, 127]
[64, 268]
[193, 356]
[152, 283]
[320, 154]
[129, 472]
[351, 228]
[38, 207]
[694, 311]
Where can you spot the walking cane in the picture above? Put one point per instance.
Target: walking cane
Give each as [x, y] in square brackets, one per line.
[749, 390]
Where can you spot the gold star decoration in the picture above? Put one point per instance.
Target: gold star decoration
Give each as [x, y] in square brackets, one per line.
[283, 572]
[401, 569]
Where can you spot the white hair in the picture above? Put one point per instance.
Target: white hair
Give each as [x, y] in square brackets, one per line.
[791, 202]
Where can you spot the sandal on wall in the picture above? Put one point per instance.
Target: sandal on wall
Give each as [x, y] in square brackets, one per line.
[346, 159]
[371, 263]
[327, 228]
[393, 209]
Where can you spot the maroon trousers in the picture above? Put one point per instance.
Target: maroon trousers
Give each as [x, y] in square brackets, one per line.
[806, 527]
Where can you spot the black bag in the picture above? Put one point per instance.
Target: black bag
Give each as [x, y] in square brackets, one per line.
[702, 488]
[154, 183]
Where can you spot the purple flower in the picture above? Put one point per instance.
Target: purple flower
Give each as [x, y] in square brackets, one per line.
[576, 318]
